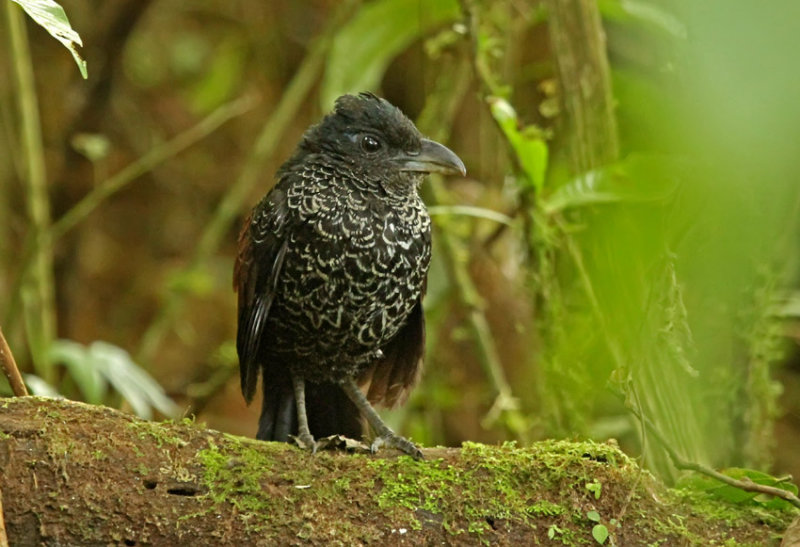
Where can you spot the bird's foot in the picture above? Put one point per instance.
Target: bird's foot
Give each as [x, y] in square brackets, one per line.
[306, 442]
[393, 440]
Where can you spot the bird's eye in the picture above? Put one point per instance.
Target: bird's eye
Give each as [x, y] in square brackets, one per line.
[370, 144]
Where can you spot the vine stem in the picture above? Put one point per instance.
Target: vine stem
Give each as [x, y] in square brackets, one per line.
[440, 110]
[37, 287]
[148, 162]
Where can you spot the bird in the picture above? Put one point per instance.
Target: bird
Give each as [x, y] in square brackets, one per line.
[330, 274]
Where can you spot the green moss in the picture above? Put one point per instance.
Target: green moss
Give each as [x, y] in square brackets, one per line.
[565, 536]
[342, 485]
[298, 477]
[414, 485]
[546, 508]
[675, 525]
[489, 484]
[188, 421]
[163, 436]
[60, 446]
[243, 474]
[550, 486]
[142, 470]
[49, 413]
[235, 477]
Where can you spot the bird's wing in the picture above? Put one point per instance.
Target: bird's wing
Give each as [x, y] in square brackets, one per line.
[390, 380]
[262, 247]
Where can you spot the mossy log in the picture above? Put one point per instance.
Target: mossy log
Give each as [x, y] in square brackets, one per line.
[75, 474]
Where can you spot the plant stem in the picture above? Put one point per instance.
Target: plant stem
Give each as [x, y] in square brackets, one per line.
[148, 162]
[120, 180]
[38, 287]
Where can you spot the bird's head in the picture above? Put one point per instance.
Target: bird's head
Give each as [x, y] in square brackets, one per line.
[378, 143]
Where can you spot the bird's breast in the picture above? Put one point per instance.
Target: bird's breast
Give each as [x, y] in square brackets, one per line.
[354, 268]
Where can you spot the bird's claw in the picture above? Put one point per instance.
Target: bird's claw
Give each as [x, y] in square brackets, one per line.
[306, 442]
[396, 441]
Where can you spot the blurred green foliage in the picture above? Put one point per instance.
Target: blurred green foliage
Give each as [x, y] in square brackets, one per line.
[377, 33]
[95, 367]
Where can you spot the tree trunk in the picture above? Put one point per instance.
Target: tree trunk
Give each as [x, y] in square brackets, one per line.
[579, 49]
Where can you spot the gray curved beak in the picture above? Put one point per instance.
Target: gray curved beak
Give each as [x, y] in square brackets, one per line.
[432, 158]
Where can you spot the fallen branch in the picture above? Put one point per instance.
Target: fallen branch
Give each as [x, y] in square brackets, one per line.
[679, 462]
[76, 474]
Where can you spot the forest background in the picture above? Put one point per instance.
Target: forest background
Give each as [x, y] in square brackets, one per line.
[625, 243]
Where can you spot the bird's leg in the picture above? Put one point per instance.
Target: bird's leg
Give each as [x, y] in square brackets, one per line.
[306, 440]
[386, 437]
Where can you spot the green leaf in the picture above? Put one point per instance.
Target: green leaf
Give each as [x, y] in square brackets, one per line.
[788, 306]
[52, 17]
[637, 178]
[600, 533]
[529, 146]
[595, 487]
[41, 388]
[470, 211]
[378, 32]
[196, 281]
[133, 383]
[93, 146]
[96, 366]
[594, 516]
[77, 359]
[221, 77]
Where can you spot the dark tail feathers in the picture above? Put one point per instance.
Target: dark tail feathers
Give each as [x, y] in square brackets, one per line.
[330, 411]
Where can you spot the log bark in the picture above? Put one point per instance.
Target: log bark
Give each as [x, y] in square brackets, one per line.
[75, 474]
